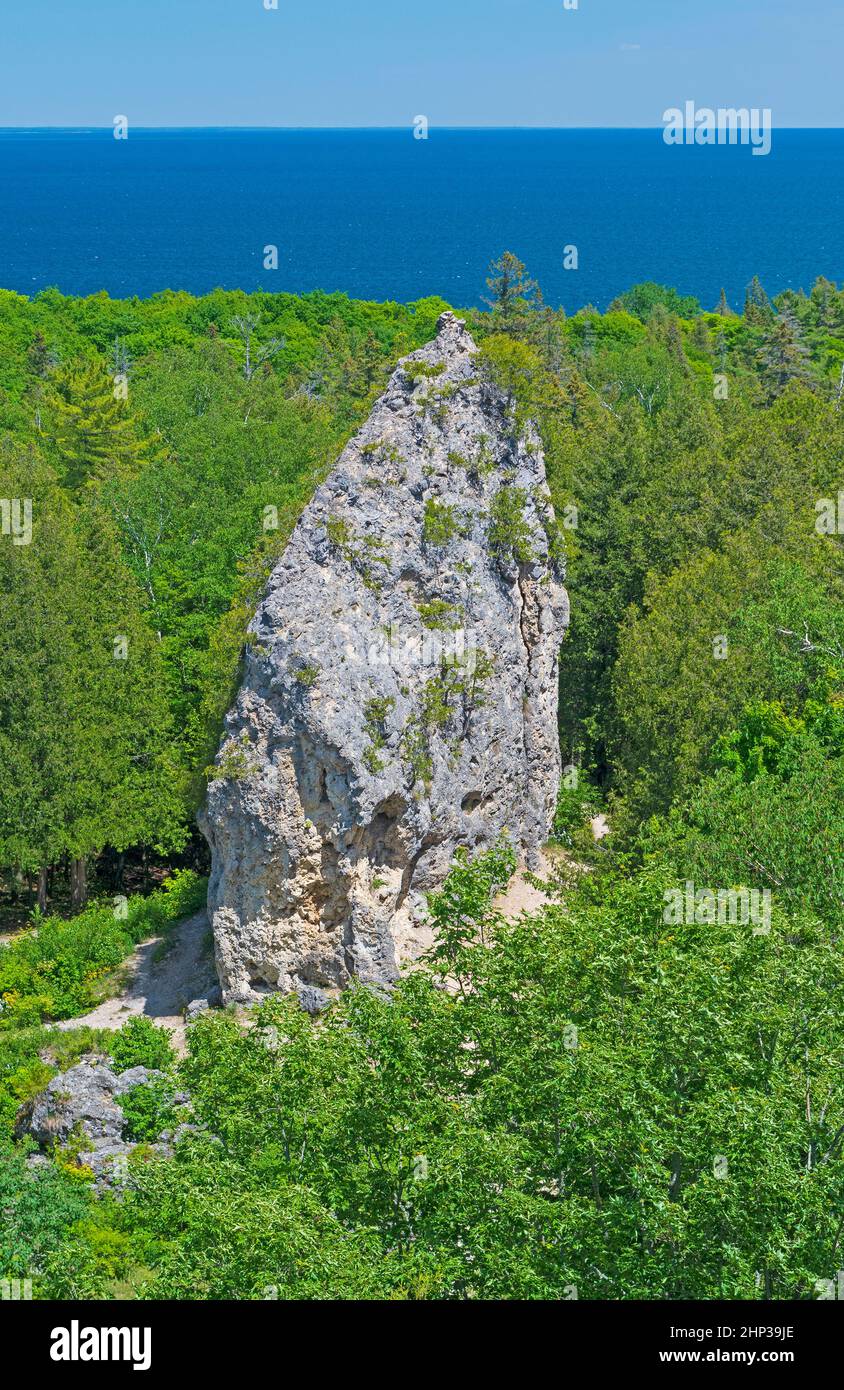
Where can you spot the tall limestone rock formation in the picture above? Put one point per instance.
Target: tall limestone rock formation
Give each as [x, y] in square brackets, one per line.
[400, 692]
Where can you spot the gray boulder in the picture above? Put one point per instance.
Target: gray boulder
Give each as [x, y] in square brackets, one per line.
[81, 1101]
[135, 1076]
[211, 1000]
[195, 1008]
[109, 1162]
[313, 1000]
[400, 690]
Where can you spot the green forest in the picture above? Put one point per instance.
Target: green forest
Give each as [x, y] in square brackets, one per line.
[607, 1102]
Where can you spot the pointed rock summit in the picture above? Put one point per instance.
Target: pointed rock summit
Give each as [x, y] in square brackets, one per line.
[400, 692]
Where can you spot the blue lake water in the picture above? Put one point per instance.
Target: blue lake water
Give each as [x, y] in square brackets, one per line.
[384, 216]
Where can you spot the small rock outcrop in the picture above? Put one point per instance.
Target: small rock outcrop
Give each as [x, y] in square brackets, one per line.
[82, 1101]
[81, 1105]
[399, 698]
[211, 1000]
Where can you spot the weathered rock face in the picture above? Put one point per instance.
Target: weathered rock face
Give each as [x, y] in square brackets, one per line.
[400, 692]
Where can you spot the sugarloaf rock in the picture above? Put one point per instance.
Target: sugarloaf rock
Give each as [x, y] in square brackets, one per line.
[399, 696]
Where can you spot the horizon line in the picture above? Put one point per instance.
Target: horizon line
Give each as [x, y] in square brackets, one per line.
[357, 128]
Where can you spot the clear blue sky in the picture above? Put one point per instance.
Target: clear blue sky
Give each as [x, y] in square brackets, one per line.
[382, 62]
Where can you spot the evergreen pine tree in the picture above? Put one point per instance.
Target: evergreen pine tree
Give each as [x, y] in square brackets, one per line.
[589, 336]
[511, 292]
[783, 356]
[39, 357]
[723, 307]
[828, 306]
[701, 339]
[86, 738]
[95, 437]
[128, 787]
[674, 342]
[758, 308]
[39, 585]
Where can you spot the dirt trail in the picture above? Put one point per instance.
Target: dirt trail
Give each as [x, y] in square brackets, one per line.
[159, 991]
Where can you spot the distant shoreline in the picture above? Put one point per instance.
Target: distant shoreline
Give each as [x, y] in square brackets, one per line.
[364, 129]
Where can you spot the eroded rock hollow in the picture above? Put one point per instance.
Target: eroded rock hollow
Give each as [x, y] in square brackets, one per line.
[399, 698]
